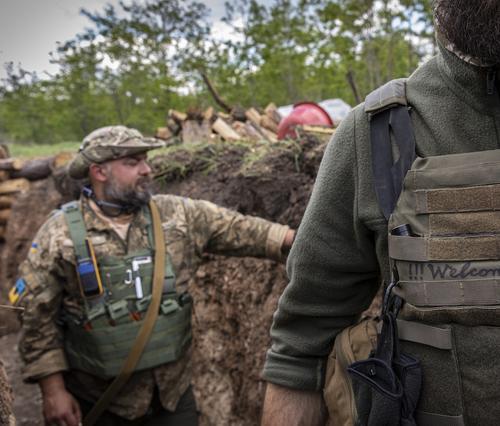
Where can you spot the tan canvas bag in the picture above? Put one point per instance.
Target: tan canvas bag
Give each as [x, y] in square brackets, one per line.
[354, 343]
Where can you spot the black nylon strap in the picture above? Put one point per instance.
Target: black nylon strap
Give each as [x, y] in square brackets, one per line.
[388, 175]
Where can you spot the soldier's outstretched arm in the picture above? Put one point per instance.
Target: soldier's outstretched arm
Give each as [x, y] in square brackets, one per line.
[218, 230]
[291, 407]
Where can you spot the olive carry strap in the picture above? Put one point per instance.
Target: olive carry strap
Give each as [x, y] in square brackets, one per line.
[147, 326]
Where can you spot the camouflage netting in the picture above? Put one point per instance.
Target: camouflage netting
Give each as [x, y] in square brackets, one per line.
[234, 298]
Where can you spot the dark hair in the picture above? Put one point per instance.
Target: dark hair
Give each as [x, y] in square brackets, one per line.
[473, 26]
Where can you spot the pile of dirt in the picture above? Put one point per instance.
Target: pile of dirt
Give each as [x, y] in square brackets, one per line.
[234, 297]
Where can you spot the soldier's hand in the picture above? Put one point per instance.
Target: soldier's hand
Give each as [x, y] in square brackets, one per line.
[60, 408]
[288, 241]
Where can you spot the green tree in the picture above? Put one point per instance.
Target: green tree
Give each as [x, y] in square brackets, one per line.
[137, 60]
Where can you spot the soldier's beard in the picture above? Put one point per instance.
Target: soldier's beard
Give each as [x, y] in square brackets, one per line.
[473, 26]
[130, 197]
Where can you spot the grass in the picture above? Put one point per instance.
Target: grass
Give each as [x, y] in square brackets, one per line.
[255, 151]
[40, 150]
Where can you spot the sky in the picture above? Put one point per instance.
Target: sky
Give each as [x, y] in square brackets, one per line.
[29, 29]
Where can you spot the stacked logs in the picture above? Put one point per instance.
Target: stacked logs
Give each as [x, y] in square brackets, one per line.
[238, 124]
[16, 175]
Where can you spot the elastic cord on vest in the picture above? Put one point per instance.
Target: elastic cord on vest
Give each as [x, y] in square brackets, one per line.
[109, 209]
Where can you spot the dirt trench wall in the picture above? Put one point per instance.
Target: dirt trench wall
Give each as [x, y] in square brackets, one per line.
[234, 297]
[6, 413]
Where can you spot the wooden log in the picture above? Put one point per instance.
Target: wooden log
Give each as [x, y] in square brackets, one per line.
[238, 113]
[194, 132]
[246, 131]
[2, 232]
[272, 112]
[4, 175]
[4, 151]
[224, 116]
[177, 115]
[11, 164]
[194, 113]
[173, 126]
[253, 132]
[39, 168]
[253, 115]
[225, 130]
[4, 216]
[12, 186]
[260, 130]
[268, 123]
[61, 160]
[239, 127]
[209, 114]
[6, 201]
[270, 136]
[163, 133]
[325, 130]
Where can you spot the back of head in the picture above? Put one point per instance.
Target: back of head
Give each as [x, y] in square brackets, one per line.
[471, 27]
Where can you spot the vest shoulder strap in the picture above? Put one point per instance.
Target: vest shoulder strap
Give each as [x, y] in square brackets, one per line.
[387, 96]
[389, 117]
[76, 227]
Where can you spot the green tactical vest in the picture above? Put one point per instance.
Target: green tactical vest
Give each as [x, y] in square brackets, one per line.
[446, 268]
[100, 342]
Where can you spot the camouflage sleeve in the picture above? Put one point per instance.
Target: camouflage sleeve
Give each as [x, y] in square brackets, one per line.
[41, 344]
[222, 231]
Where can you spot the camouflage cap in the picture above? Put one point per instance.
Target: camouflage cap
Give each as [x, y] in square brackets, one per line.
[109, 143]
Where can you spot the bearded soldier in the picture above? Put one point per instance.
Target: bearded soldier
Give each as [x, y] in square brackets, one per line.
[106, 326]
[442, 238]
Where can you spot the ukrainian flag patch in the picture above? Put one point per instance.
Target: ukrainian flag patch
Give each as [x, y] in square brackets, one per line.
[17, 291]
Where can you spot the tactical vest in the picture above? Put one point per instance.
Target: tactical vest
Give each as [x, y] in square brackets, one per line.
[444, 249]
[99, 342]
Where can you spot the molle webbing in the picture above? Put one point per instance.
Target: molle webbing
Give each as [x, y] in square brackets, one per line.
[447, 270]
[170, 338]
[455, 171]
[115, 319]
[412, 331]
[482, 292]
[468, 199]
[425, 249]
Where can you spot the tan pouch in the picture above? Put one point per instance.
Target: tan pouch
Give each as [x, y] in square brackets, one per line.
[354, 343]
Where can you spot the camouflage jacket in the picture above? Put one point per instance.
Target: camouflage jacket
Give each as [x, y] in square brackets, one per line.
[191, 227]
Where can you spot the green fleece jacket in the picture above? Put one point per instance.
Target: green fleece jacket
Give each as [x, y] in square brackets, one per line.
[340, 255]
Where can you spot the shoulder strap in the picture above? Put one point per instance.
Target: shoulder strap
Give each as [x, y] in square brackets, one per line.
[77, 230]
[144, 333]
[388, 113]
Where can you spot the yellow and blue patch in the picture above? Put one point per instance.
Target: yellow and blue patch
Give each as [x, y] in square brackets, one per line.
[17, 291]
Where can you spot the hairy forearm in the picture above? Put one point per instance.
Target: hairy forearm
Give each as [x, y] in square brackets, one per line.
[290, 407]
[52, 384]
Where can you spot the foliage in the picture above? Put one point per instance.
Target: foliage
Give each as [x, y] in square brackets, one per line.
[24, 150]
[136, 61]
